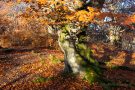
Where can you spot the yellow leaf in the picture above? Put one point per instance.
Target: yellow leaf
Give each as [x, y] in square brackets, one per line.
[91, 9]
[41, 1]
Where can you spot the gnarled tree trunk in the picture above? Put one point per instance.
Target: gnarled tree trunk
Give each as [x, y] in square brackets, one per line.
[77, 56]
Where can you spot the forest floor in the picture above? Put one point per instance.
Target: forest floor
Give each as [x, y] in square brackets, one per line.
[41, 69]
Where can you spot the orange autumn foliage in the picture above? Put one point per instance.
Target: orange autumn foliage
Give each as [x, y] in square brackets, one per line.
[83, 15]
[62, 13]
[130, 20]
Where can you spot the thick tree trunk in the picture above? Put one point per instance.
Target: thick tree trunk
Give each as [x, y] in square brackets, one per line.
[69, 53]
[77, 57]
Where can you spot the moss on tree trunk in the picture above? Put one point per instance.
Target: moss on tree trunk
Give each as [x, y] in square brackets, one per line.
[77, 56]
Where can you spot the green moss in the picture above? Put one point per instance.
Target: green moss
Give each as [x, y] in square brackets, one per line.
[42, 79]
[54, 59]
[62, 36]
[86, 52]
[92, 70]
[64, 32]
[90, 75]
[80, 60]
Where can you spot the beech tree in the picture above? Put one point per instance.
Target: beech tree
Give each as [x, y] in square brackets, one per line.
[70, 18]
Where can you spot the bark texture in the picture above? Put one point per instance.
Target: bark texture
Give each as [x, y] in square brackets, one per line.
[77, 56]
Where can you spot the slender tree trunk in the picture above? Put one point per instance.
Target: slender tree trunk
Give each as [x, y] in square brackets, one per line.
[78, 57]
